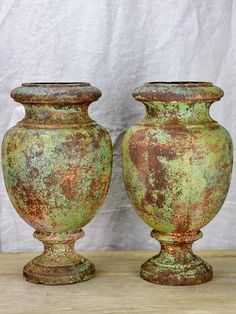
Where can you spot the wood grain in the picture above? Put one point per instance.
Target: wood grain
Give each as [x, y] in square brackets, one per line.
[117, 288]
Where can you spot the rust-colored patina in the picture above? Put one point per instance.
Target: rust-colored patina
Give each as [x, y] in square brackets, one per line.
[57, 167]
[177, 165]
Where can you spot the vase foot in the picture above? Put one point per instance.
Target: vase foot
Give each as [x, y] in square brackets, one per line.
[176, 264]
[59, 264]
[59, 275]
[176, 275]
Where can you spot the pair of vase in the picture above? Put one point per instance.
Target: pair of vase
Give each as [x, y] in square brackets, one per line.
[177, 163]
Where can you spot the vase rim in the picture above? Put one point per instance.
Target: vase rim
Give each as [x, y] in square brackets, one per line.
[181, 83]
[55, 84]
[56, 93]
[178, 91]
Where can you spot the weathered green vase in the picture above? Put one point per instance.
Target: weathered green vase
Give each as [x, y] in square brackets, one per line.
[177, 165]
[57, 166]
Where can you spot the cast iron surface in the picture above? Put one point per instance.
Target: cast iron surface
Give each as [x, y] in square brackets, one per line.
[57, 166]
[177, 165]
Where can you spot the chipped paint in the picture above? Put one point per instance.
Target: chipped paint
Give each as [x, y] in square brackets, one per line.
[57, 167]
[177, 165]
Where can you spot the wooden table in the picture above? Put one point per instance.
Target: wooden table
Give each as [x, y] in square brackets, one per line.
[117, 288]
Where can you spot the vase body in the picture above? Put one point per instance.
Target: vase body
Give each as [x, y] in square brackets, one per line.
[57, 166]
[177, 165]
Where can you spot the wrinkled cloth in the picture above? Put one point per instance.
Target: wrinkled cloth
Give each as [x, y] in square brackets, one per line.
[117, 46]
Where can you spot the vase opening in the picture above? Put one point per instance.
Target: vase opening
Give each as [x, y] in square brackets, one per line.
[55, 84]
[182, 83]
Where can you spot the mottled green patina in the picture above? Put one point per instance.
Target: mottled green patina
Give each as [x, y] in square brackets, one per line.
[57, 166]
[177, 165]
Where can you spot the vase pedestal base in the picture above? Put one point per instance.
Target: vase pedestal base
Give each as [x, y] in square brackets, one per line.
[179, 275]
[176, 264]
[59, 275]
[59, 264]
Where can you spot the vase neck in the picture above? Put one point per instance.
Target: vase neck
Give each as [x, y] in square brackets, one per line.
[177, 113]
[47, 114]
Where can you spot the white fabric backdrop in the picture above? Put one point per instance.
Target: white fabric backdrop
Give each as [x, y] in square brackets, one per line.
[117, 46]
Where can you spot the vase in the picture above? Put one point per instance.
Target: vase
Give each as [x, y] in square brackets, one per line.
[177, 165]
[57, 165]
